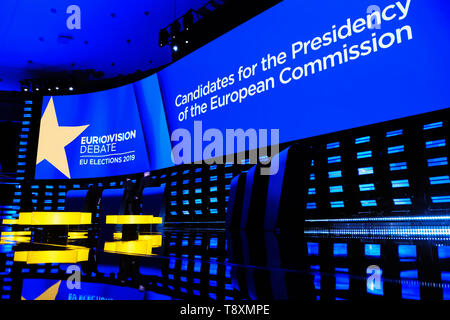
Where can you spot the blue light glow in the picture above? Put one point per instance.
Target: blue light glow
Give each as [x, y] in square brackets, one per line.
[337, 204]
[336, 189]
[398, 166]
[334, 174]
[394, 133]
[435, 144]
[439, 180]
[364, 171]
[402, 201]
[362, 140]
[409, 274]
[364, 154]
[333, 145]
[313, 248]
[432, 125]
[335, 159]
[396, 149]
[443, 252]
[372, 250]
[368, 203]
[407, 251]
[437, 162]
[440, 199]
[311, 205]
[340, 249]
[400, 183]
[367, 187]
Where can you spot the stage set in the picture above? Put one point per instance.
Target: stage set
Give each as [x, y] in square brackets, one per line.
[289, 150]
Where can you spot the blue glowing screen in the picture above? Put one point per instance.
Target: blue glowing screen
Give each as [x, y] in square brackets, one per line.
[286, 70]
[305, 68]
[58, 290]
[91, 135]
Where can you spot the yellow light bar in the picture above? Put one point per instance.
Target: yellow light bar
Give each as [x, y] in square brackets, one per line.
[10, 221]
[137, 247]
[157, 220]
[16, 233]
[156, 239]
[132, 219]
[52, 256]
[77, 235]
[50, 218]
[117, 235]
[15, 236]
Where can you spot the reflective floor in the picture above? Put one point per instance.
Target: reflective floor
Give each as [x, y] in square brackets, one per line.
[42, 264]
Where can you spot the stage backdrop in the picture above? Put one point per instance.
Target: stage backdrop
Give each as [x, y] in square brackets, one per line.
[305, 68]
[314, 67]
[91, 135]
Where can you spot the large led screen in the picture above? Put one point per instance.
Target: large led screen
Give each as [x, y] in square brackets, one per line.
[91, 135]
[313, 67]
[302, 68]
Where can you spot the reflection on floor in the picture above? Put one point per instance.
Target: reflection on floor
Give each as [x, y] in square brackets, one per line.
[221, 265]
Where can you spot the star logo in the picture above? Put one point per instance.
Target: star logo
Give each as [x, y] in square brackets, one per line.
[53, 139]
[49, 294]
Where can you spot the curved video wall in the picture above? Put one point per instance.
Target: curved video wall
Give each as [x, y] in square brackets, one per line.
[304, 68]
[102, 134]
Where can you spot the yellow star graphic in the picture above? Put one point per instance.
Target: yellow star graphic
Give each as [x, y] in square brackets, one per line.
[49, 294]
[54, 138]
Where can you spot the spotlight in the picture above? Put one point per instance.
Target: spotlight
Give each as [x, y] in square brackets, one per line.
[35, 86]
[188, 20]
[70, 88]
[175, 29]
[25, 86]
[56, 88]
[163, 37]
[175, 48]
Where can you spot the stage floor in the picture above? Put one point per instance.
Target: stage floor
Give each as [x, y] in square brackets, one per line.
[219, 265]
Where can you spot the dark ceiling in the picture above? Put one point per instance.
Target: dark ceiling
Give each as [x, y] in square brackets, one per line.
[116, 37]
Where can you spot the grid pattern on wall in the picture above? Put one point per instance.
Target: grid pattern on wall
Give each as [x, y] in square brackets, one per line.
[399, 167]
[12, 176]
[393, 168]
[197, 266]
[351, 261]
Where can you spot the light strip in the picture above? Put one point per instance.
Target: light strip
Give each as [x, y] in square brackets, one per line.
[136, 247]
[72, 255]
[133, 219]
[47, 218]
[418, 218]
[432, 231]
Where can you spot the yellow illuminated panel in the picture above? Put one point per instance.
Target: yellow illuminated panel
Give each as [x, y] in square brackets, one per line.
[15, 236]
[117, 235]
[157, 220]
[10, 221]
[77, 235]
[155, 238]
[135, 247]
[50, 218]
[72, 255]
[132, 219]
